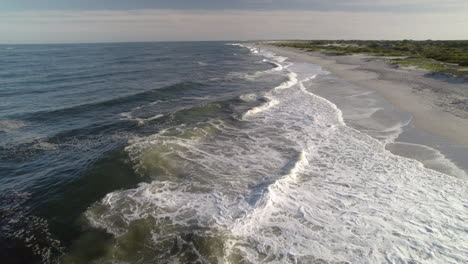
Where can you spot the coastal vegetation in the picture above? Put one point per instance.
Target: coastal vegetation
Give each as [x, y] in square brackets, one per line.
[450, 57]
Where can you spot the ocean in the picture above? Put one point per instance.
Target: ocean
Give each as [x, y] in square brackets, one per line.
[210, 152]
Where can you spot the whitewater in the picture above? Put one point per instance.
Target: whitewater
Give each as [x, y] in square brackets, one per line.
[286, 181]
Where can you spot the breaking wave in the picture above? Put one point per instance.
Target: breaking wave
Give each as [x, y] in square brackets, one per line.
[289, 183]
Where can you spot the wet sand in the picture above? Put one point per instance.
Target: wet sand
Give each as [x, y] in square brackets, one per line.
[435, 106]
[438, 104]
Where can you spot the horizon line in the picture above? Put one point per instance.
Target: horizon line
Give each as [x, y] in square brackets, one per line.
[258, 40]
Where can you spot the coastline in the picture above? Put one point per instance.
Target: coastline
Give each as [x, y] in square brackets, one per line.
[435, 131]
[435, 102]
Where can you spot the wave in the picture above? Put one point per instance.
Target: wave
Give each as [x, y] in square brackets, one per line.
[252, 50]
[278, 66]
[270, 58]
[288, 84]
[18, 224]
[147, 96]
[138, 58]
[341, 198]
[335, 109]
[142, 121]
[8, 126]
[248, 97]
[270, 102]
[51, 79]
[15, 92]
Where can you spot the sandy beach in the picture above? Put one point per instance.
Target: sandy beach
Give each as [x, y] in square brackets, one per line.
[437, 103]
[249, 157]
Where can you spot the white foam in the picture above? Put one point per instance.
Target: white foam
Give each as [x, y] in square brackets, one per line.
[142, 121]
[268, 104]
[430, 157]
[252, 49]
[43, 145]
[11, 125]
[270, 58]
[363, 110]
[294, 184]
[248, 97]
[339, 114]
[292, 80]
[278, 67]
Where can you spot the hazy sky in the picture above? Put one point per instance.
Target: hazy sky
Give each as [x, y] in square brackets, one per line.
[65, 21]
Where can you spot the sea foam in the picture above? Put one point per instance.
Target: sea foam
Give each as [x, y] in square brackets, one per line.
[292, 183]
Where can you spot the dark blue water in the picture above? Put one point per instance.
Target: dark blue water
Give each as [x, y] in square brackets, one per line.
[207, 153]
[67, 112]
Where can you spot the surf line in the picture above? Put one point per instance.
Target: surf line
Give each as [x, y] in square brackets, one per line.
[270, 100]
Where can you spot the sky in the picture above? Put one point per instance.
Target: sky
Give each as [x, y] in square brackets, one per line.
[73, 21]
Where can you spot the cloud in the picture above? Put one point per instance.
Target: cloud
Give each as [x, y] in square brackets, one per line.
[311, 5]
[165, 25]
[445, 3]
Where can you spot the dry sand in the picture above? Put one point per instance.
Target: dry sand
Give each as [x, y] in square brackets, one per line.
[439, 104]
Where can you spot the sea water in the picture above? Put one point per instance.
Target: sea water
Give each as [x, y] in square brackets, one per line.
[209, 153]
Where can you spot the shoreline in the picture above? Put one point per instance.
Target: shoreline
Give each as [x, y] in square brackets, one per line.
[436, 103]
